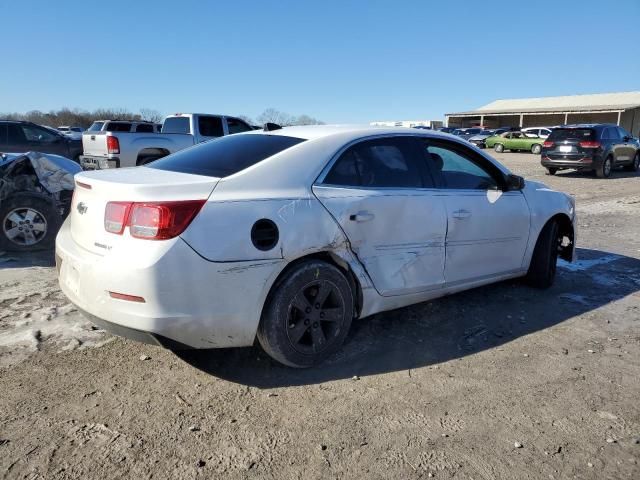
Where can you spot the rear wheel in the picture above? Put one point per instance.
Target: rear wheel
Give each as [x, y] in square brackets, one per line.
[147, 160]
[604, 171]
[536, 149]
[498, 147]
[28, 223]
[542, 269]
[551, 171]
[308, 315]
[635, 165]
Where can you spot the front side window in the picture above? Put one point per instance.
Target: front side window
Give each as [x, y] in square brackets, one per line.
[623, 133]
[457, 169]
[387, 162]
[210, 126]
[237, 126]
[38, 135]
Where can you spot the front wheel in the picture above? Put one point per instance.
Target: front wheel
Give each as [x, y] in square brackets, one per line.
[542, 269]
[28, 223]
[498, 147]
[536, 149]
[604, 171]
[635, 165]
[308, 315]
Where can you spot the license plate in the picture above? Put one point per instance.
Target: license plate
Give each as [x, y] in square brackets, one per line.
[566, 149]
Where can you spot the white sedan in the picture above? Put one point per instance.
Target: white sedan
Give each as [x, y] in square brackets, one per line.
[288, 235]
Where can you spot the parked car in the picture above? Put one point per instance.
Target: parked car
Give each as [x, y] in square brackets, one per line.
[467, 133]
[20, 137]
[479, 140]
[35, 196]
[72, 132]
[514, 141]
[542, 132]
[446, 129]
[288, 235]
[592, 147]
[117, 148]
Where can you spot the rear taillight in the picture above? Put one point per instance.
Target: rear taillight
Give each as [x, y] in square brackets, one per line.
[590, 144]
[547, 144]
[113, 145]
[151, 220]
[115, 216]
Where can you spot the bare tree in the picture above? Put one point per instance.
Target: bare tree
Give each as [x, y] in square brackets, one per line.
[151, 115]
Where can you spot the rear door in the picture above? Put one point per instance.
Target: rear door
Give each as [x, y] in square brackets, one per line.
[627, 148]
[380, 193]
[488, 229]
[25, 137]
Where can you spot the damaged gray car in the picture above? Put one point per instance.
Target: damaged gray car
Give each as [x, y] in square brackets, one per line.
[35, 197]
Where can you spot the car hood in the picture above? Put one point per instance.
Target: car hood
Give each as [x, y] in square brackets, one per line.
[54, 173]
[479, 137]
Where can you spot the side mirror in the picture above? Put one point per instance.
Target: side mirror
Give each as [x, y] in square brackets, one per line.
[514, 182]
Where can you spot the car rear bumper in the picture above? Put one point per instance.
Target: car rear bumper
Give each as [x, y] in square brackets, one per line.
[579, 163]
[188, 301]
[88, 162]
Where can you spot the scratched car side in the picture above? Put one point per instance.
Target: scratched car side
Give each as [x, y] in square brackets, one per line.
[288, 235]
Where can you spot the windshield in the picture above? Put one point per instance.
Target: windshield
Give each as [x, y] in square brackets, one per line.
[226, 155]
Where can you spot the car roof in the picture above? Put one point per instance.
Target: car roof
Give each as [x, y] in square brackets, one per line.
[588, 125]
[311, 132]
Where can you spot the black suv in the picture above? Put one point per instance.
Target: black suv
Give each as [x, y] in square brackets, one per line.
[594, 147]
[20, 137]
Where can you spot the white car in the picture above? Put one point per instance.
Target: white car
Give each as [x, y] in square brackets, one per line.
[287, 235]
[542, 132]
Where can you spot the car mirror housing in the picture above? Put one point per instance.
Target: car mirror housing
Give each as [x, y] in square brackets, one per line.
[514, 182]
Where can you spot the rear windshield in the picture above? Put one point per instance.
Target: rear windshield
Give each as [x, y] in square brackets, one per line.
[176, 125]
[95, 127]
[226, 155]
[118, 127]
[572, 134]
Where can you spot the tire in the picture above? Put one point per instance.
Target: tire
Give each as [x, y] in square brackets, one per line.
[498, 147]
[551, 171]
[299, 332]
[542, 269]
[635, 165]
[536, 149]
[40, 224]
[604, 170]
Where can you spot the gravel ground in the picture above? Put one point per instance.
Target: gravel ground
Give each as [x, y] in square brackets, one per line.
[498, 382]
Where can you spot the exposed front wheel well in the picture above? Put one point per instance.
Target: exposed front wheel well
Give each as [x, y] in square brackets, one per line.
[149, 154]
[566, 235]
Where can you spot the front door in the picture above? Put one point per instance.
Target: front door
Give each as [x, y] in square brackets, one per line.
[488, 228]
[381, 194]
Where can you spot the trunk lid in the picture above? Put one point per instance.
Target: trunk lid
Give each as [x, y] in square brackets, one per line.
[139, 184]
[94, 144]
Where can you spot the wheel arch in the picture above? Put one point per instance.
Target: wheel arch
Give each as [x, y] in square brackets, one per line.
[151, 152]
[331, 258]
[566, 230]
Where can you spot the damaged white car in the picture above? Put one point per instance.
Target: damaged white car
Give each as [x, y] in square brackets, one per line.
[35, 196]
[288, 235]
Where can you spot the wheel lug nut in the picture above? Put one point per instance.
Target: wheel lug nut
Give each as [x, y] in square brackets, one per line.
[317, 306]
[321, 314]
[308, 309]
[307, 321]
[315, 324]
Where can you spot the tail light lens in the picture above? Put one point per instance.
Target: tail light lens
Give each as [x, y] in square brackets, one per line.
[113, 145]
[115, 217]
[547, 144]
[590, 144]
[151, 220]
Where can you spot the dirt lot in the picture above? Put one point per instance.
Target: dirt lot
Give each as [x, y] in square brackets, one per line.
[499, 382]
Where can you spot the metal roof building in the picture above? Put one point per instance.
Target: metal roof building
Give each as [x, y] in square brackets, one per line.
[620, 108]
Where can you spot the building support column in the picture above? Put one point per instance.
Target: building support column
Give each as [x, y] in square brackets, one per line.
[566, 118]
[521, 115]
[619, 116]
[482, 121]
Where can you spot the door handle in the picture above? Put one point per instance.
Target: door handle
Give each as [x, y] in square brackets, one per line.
[461, 214]
[361, 216]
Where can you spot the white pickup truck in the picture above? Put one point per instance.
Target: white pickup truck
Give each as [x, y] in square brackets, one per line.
[104, 149]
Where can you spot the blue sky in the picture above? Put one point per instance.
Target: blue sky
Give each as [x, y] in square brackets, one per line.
[339, 61]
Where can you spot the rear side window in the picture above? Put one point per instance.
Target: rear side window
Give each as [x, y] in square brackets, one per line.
[144, 128]
[237, 126]
[95, 127]
[560, 134]
[176, 125]
[210, 126]
[3, 134]
[385, 162]
[226, 155]
[118, 127]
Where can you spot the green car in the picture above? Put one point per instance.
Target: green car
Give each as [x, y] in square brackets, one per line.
[515, 141]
